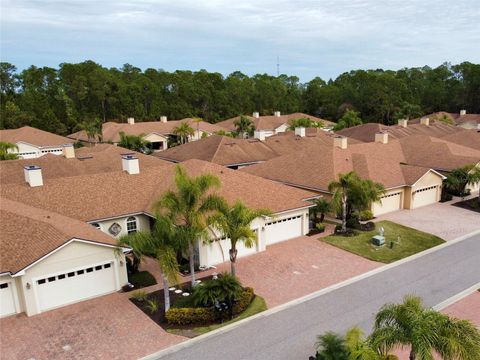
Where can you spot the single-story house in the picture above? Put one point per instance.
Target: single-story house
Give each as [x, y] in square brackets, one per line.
[407, 186]
[49, 260]
[157, 132]
[266, 126]
[33, 143]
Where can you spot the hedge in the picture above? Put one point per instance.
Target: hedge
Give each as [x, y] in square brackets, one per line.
[199, 315]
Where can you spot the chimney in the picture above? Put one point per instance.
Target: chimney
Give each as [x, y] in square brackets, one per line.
[131, 120]
[403, 123]
[381, 137]
[68, 151]
[259, 134]
[277, 113]
[256, 114]
[340, 141]
[163, 119]
[33, 175]
[463, 112]
[300, 131]
[130, 164]
[425, 121]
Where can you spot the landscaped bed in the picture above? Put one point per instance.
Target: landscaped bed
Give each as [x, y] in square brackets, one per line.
[188, 319]
[141, 279]
[470, 204]
[400, 242]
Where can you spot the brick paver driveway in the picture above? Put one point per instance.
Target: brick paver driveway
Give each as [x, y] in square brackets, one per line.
[441, 219]
[109, 327]
[292, 269]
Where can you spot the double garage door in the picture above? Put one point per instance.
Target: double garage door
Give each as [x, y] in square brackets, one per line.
[75, 285]
[283, 229]
[425, 196]
[389, 203]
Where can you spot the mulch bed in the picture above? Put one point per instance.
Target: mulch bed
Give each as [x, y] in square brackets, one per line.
[470, 204]
[159, 316]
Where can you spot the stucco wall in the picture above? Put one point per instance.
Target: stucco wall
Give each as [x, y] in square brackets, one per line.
[74, 255]
[143, 224]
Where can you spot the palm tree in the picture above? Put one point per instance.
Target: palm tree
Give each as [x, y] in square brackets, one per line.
[197, 121]
[304, 122]
[331, 346]
[92, 129]
[134, 142]
[6, 151]
[183, 131]
[160, 244]
[358, 347]
[244, 126]
[322, 206]
[188, 208]
[340, 189]
[425, 331]
[458, 179]
[234, 223]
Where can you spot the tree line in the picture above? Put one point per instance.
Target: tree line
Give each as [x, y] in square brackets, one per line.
[60, 99]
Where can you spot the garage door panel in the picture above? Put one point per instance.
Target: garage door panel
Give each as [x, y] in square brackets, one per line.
[73, 286]
[7, 299]
[215, 250]
[283, 229]
[389, 203]
[425, 196]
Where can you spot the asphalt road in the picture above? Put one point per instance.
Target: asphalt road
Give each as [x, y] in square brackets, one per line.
[291, 333]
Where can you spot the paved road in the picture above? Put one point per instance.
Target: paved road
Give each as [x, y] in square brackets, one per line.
[290, 333]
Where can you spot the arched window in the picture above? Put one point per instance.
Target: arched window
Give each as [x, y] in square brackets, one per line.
[131, 224]
[96, 226]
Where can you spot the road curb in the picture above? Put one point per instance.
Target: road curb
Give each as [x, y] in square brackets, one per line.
[457, 297]
[308, 297]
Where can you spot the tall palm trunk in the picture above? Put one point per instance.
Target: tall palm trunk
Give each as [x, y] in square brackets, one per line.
[344, 211]
[166, 293]
[191, 255]
[233, 258]
[412, 355]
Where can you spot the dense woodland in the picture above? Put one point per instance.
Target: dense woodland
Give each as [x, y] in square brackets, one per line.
[58, 100]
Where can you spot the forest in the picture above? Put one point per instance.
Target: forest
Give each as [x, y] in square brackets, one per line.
[61, 99]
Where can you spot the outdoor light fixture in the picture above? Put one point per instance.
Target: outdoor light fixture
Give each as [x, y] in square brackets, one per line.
[28, 286]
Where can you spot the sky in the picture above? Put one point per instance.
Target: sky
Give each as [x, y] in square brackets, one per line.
[311, 38]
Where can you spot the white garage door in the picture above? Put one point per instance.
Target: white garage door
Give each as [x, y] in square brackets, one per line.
[283, 229]
[218, 251]
[425, 196]
[389, 203]
[73, 286]
[7, 300]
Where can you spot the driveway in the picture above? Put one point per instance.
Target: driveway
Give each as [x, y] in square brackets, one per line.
[291, 269]
[108, 327]
[441, 219]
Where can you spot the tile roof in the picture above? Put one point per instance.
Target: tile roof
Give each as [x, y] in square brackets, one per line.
[88, 160]
[227, 151]
[468, 138]
[105, 195]
[111, 130]
[400, 162]
[455, 117]
[270, 122]
[33, 136]
[27, 234]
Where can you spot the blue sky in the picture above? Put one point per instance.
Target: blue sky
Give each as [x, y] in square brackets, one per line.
[312, 38]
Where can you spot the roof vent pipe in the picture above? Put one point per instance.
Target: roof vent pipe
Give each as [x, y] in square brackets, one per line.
[425, 121]
[131, 120]
[403, 123]
[163, 119]
[340, 141]
[300, 131]
[277, 113]
[463, 112]
[68, 151]
[381, 137]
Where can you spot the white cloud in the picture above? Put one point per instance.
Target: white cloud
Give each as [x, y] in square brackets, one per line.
[311, 37]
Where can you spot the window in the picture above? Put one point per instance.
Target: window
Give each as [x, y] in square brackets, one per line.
[52, 278]
[106, 266]
[98, 267]
[4, 286]
[89, 270]
[60, 277]
[80, 272]
[71, 274]
[41, 281]
[131, 225]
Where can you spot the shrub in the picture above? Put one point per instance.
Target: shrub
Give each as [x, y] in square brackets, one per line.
[186, 316]
[226, 288]
[152, 306]
[353, 223]
[139, 295]
[366, 215]
[320, 227]
[369, 226]
[141, 279]
[338, 228]
[205, 315]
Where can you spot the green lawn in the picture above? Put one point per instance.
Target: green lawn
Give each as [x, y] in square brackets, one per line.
[258, 305]
[406, 242]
